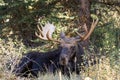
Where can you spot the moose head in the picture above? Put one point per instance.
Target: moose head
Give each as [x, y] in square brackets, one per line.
[69, 45]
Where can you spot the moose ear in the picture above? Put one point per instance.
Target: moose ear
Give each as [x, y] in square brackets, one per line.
[62, 35]
[77, 37]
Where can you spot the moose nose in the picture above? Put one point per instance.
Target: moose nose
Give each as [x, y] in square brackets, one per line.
[63, 60]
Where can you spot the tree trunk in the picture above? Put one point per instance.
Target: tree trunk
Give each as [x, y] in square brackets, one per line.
[84, 16]
[84, 13]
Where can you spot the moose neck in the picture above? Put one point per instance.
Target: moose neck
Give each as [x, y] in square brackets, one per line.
[78, 53]
[74, 54]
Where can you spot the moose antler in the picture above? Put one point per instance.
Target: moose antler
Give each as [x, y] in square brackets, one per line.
[87, 35]
[46, 32]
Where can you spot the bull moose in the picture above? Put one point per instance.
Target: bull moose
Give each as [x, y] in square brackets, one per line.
[67, 57]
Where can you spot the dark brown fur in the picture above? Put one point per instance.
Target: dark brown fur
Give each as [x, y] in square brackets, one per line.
[34, 62]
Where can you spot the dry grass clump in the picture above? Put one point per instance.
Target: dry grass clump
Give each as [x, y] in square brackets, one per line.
[103, 70]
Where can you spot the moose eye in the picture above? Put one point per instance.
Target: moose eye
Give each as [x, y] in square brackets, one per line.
[73, 47]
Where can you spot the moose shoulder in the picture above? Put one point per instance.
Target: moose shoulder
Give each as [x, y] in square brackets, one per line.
[67, 58]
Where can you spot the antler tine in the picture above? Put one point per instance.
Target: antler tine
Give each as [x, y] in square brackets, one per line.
[40, 35]
[86, 30]
[51, 39]
[46, 32]
[80, 35]
[93, 25]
